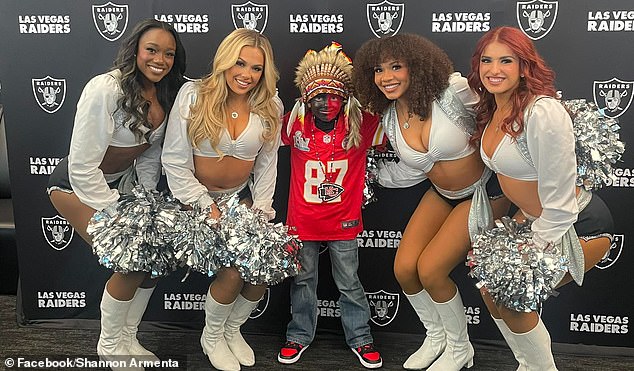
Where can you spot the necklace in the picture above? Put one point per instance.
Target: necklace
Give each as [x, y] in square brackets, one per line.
[327, 190]
[234, 112]
[406, 124]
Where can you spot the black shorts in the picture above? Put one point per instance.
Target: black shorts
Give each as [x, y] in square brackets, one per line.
[595, 220]
[245, 194]
[59, 180]
[494, 191]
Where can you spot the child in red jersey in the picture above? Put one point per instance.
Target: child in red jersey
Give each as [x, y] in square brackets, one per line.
[328, 161]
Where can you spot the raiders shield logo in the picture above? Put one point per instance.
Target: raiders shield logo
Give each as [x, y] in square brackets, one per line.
[250, 15]
[383, 306]
[613, 96]
[110, 19]
[613, 254]
[49, 93]
[385, 19]
[536, 18]
[57, 232]
[262, 305]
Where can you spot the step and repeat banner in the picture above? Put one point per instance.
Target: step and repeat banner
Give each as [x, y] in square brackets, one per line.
[50, 49]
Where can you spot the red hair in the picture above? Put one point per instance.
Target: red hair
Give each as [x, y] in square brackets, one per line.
[538, 80]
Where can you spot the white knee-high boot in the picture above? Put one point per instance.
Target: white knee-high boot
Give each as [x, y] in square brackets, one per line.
[135, 313]
[535, 348]
[510, 340]
[435, 342]
[213, 340]
[242, 308]
[111, 345]
[459, 351]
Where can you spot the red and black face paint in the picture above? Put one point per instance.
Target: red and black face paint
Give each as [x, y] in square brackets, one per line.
[326, 107]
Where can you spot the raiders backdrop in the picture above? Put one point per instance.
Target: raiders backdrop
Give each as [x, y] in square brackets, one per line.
[50, 49]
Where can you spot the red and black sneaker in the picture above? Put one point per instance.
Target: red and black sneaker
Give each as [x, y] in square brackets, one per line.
[368, 356]
[290, 352]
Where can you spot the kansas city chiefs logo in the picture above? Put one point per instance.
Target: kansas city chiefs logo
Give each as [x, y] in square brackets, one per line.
[329, 191]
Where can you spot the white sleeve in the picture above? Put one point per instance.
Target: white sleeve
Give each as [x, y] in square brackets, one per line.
[178, 157]
[399, 175]
[265, 171]
[461, 88]
[148, 165]
[551, 144]
[92, 134]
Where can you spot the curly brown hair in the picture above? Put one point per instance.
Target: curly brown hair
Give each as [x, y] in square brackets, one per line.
[429, 69]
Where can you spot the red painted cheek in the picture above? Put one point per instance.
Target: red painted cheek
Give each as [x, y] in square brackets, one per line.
[334, 106]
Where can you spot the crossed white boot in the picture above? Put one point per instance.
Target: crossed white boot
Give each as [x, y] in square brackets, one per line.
[112, 346]
[459, 351]
[135, 313]
[435, 342]
[213, 340]
[534, 347]
[242, 308]
[510, 340]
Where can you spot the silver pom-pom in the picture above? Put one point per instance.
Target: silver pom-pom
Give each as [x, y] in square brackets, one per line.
[373, 155]
[371, 177]
[197, 240]
[597, 143]
[515, 272]
[136, 237]
[263, 252]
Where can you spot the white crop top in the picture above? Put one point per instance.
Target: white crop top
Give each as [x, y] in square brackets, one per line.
[98, 124]
[124, 137]
[245, 147]
[440, 148]
[178, 155]
[508, 161]
[551, 146]
[447, 140]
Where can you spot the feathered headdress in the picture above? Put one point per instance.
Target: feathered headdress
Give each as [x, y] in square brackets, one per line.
[328, 71]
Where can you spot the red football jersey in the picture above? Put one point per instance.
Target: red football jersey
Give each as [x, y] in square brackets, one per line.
[326, 185]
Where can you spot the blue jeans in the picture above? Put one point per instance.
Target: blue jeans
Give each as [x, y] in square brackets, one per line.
[355, 312]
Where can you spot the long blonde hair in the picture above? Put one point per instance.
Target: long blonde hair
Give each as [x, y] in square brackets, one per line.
[208, 114]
